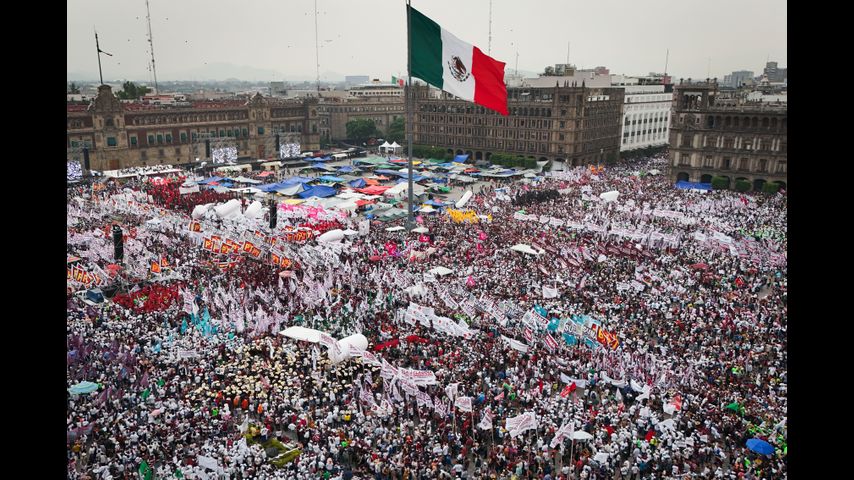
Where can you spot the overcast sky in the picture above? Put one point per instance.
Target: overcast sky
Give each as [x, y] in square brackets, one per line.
[275, 39]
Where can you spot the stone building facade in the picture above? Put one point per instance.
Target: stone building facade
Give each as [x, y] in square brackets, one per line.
[732, 138]
[120, 135]
[569, 125]
[381, 103]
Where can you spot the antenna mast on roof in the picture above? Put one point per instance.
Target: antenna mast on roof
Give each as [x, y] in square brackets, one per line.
[666, 59]
[151, 44]
[98, 46]
[489, 45]
[316, 49]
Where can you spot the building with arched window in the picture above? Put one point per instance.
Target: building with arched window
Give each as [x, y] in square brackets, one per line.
[568, 124]
[736, 138]
[119, 135]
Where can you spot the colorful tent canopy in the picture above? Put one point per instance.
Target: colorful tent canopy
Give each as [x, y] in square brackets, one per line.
[321, 191]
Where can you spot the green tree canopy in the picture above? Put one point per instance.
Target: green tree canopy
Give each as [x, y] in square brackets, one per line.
[130, 91]
[361, 129]
[397, 131]
[73, 88]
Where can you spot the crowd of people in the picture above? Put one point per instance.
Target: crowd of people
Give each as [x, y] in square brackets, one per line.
[194, 379]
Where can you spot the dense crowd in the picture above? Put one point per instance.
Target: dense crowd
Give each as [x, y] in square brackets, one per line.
[194, 381]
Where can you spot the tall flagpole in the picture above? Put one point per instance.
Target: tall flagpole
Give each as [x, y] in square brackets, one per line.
[410, 97]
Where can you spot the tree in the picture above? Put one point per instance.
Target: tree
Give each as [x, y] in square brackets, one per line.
[396, 131]
[771, 187]
[130, 91]
[720, 183]
[742, 185]
[361, 129]
[73, 88]
[611, 158]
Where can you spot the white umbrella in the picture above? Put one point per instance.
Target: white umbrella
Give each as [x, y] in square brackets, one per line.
[420, 230]
[394, 229]
[441, 271]
[580, 435]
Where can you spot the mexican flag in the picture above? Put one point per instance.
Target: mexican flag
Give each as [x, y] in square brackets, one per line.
[444, 61]
[398, 81]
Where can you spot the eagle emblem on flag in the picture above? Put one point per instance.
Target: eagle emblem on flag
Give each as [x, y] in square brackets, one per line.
[458, 69]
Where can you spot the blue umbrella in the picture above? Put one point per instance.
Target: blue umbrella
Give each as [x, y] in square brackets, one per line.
[760, 446]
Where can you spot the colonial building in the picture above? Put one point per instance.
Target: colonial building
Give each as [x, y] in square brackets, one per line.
[382, 103]
[119, 135]
[733, 138]
[569, 125]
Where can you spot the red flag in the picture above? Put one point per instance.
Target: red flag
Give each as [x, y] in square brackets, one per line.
[649, 435]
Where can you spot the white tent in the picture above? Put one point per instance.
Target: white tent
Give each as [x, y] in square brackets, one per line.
[394, 145]
[253, 210]
[242, 179]
[420, 230]
[427, 209]
[394, 229]
[302, 333]
[609, 196]
[188, 187]
[580, 435]
[441, 271]
[229, 209]
[521, 247]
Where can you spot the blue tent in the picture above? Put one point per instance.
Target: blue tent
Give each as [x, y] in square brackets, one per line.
[297, 179]
[445, 165]
[415, 178]
[682, 185]
[386, 171]
[435, 203]
[209, 180]
[227, 184]
[270, 187]
[461, 158]
[320, 166]
[330, 178]
[345, 169]
[357, 183]
[321, 191]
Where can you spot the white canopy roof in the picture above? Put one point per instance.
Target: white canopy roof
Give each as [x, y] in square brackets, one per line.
[420, 230]
[394, 229]
[385, 145]
[242, 179]
[394, 145]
